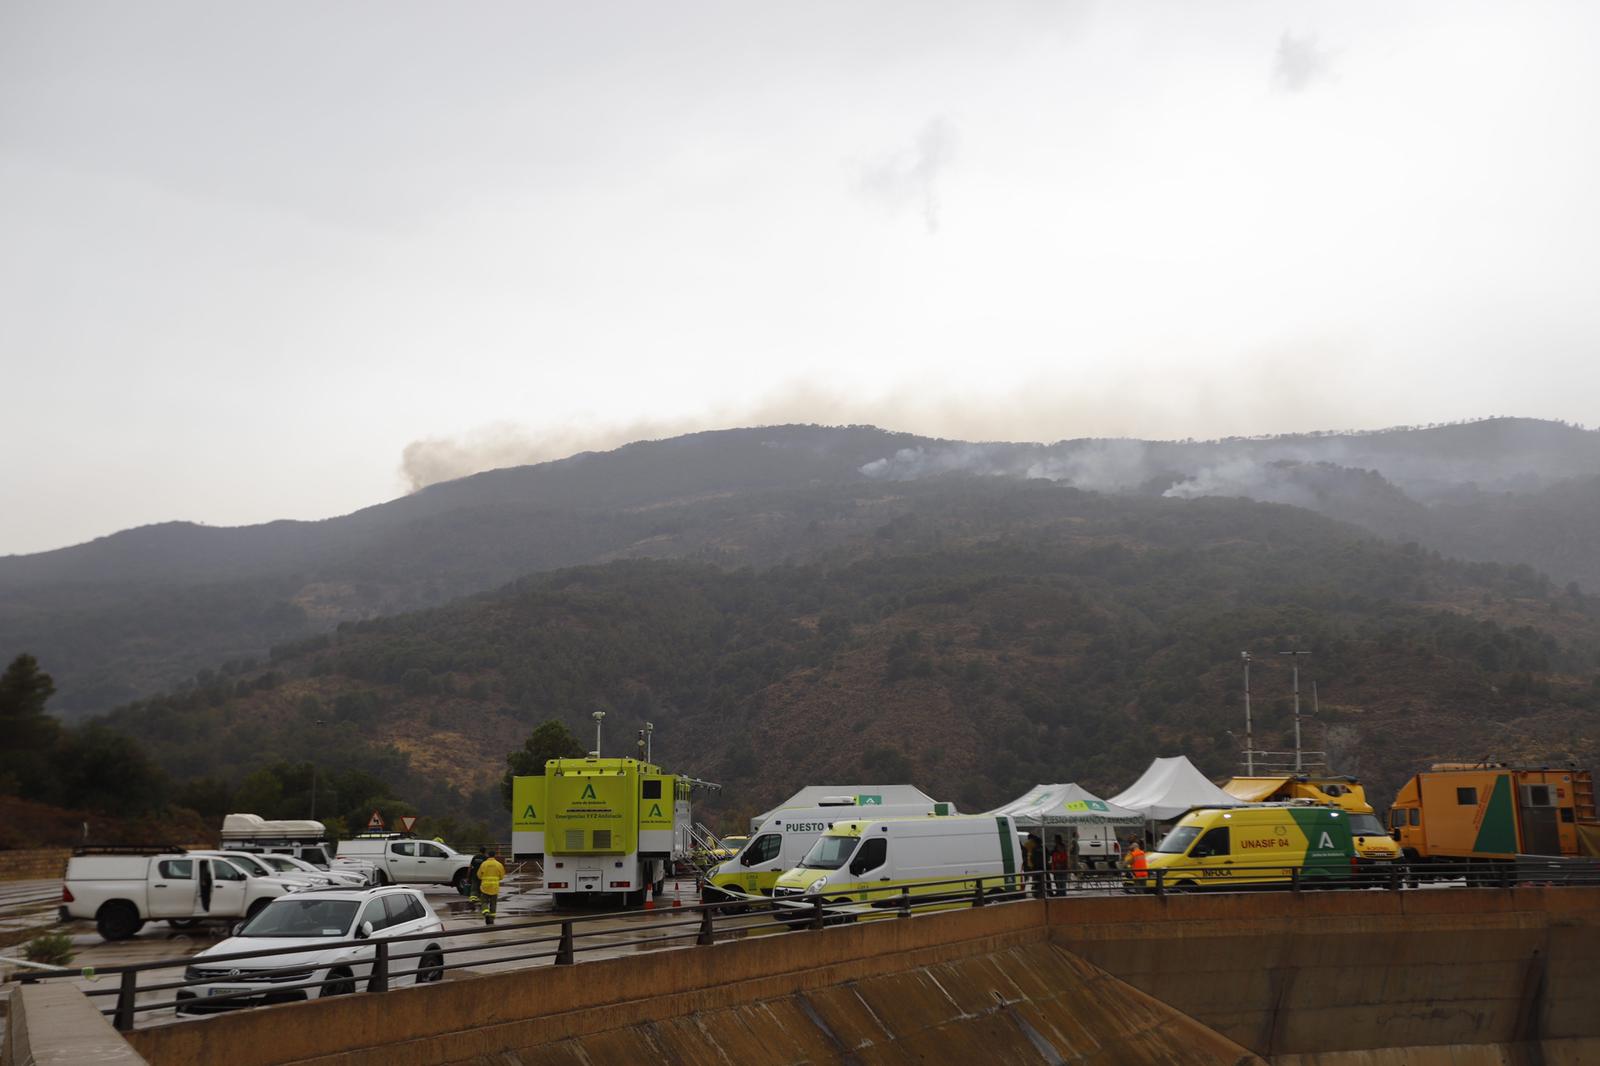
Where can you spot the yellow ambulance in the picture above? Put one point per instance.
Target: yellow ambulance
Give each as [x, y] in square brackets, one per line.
[1265, 844]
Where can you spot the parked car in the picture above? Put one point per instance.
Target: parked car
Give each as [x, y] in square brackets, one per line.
[121, 891]
[345, 878]
[333, 930]
[407, 861]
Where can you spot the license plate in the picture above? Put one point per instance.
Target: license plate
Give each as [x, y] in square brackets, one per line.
[227, 991]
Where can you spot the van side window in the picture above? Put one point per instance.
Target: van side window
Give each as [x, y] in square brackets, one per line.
[874, 851]
[406, 848]
[226, 871]
[651, 789]
[430, 851]
[763, 848]
[1566, 814]
[1416, 816]
[177, 869]
[1467, 797]
[1397, 818]
[1215, 842]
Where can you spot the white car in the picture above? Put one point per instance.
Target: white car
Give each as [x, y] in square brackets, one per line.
[293, 880]
[306, 921]
[288, 864]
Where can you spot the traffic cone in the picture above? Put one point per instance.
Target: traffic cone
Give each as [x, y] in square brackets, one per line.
[649, 896]
[677, 892]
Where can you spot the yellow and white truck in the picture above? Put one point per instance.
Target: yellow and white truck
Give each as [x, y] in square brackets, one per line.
[606, 829]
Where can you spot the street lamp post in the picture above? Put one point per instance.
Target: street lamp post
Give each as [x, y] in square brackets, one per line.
[318, 723]
[1249, 739]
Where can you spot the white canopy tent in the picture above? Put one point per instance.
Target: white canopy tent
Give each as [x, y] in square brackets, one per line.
[1169, 788]
[1067, 804]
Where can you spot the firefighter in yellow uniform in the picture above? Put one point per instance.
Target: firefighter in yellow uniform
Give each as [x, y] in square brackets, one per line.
[490, 874]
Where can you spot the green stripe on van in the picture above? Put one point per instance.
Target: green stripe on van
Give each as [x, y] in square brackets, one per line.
[1008, 854]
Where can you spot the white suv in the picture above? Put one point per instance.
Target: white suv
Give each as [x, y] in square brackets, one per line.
[307, 920]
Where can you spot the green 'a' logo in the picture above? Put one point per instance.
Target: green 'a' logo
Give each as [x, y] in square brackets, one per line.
[588, 792]
[528, 815]
[655, 811]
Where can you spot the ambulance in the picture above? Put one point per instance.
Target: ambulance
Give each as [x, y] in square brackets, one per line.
[1264, 845]
[779, 844]
[868, 862]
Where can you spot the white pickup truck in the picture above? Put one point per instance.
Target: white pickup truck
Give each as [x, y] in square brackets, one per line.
[407, 861]
[122, 891]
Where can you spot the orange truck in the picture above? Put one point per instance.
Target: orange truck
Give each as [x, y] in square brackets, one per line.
[1459, 811]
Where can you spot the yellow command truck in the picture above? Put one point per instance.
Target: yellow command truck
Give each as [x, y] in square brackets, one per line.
[1458, 812]
[605, 829]
[1345, 793]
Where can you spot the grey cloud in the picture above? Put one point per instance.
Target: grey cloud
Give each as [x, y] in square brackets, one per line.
[1300, 63]
[909, 176]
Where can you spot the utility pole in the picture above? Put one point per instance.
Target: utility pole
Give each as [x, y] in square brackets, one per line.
[598, 717]
[1249, 737]
[1296, 664]
[649, 735]
[314, 771]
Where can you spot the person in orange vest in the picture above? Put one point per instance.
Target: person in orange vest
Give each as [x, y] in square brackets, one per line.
[490, 874]
[1136, 860]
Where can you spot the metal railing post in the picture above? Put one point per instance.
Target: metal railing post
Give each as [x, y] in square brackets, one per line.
[126, 991]
[564, 947]
[816, 913]
[905, 902]
[1161, 881]
[708, 929]
[977, 895]
[379, 981]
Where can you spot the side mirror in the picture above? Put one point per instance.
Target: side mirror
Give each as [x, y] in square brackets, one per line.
[365, 931]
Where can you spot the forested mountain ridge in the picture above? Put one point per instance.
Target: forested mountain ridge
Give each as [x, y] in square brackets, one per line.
[993, 634]
[131, 614]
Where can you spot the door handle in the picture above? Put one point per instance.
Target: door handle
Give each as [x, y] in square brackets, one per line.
[883, 878]
[1227, 862]
[158, 886]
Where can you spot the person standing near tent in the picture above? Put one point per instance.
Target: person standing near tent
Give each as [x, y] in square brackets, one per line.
[490, 875]
[1136, 860]
[1060, 863]
[1033, 860]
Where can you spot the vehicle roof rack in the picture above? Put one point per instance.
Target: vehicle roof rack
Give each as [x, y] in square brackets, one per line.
[129, 849]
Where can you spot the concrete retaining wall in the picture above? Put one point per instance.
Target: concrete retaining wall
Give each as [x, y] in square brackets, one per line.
[984, 986]
[56, 1025]
[1351, 972]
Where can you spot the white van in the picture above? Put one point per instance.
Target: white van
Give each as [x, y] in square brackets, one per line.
[868, 862]
[783, 840]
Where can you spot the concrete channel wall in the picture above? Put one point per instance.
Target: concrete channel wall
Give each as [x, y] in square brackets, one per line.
[1497, 977]
[1336, 977]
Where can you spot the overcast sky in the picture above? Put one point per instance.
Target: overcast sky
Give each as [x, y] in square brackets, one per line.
[251, 253]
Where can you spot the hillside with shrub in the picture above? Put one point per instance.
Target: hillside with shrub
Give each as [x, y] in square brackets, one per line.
[978, 636]
[138, 612]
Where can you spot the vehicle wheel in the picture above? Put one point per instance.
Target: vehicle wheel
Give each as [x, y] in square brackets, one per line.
[634, 898]
[118, 920]
[381, 878]
[432, 967]
[461, 883]
[1185, 886]
[183, 923]
[342, 983]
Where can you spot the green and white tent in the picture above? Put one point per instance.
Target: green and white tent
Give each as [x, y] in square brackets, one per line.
[1067, 805]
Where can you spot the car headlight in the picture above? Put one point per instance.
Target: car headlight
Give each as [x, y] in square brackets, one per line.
[816, 886]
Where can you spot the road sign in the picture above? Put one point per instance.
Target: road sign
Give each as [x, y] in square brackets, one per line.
[376, 821]
[405, 822]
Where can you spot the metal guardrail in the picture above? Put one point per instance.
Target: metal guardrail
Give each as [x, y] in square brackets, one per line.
[562, 939]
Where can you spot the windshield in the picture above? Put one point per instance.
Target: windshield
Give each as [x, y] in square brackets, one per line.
[1177, 842]
[303, 918]
[281, 864]
[249, 864]
[829, 853]
[1366, 825]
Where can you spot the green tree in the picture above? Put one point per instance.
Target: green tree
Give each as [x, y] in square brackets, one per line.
[29, 730]
[105, 771]
[551, 739]
[261, 793]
